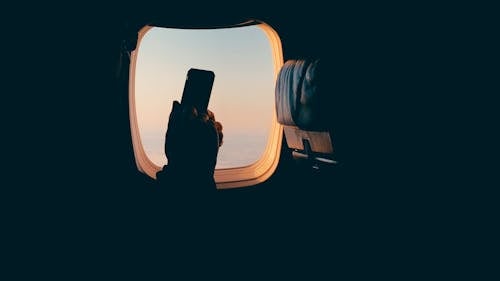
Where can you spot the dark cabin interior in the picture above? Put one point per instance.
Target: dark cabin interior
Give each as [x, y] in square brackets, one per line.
[78, 206]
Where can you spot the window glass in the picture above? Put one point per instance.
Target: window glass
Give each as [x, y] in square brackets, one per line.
[242, 95]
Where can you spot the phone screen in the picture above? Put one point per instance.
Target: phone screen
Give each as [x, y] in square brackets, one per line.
[197, 89]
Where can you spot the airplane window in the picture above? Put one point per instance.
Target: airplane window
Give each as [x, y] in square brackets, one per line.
[244, 62]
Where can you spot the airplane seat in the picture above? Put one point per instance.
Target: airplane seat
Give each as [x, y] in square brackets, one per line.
[301, 107]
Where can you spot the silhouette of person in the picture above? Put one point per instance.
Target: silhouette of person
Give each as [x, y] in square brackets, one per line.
[192, 143]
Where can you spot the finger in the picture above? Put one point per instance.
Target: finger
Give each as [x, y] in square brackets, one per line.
[189, 113]
[218, 126]
[204, 118]
[211, 115]
[221, 137]
[192, 113]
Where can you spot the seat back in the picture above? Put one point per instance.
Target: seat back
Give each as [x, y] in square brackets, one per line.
[301, 107]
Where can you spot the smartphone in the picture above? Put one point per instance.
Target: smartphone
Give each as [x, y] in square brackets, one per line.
[198, 88]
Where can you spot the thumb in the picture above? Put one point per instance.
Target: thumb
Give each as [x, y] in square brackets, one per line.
[175, 112]
[175, 105]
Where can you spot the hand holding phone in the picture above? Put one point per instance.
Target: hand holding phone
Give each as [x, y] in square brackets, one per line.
[197, 89]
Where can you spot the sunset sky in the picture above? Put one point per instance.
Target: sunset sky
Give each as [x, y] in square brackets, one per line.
[243, 91]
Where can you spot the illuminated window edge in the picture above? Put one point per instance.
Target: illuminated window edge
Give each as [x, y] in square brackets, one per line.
[226, 178]
[142, 161]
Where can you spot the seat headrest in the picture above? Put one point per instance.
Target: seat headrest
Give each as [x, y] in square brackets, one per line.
[300, 98]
